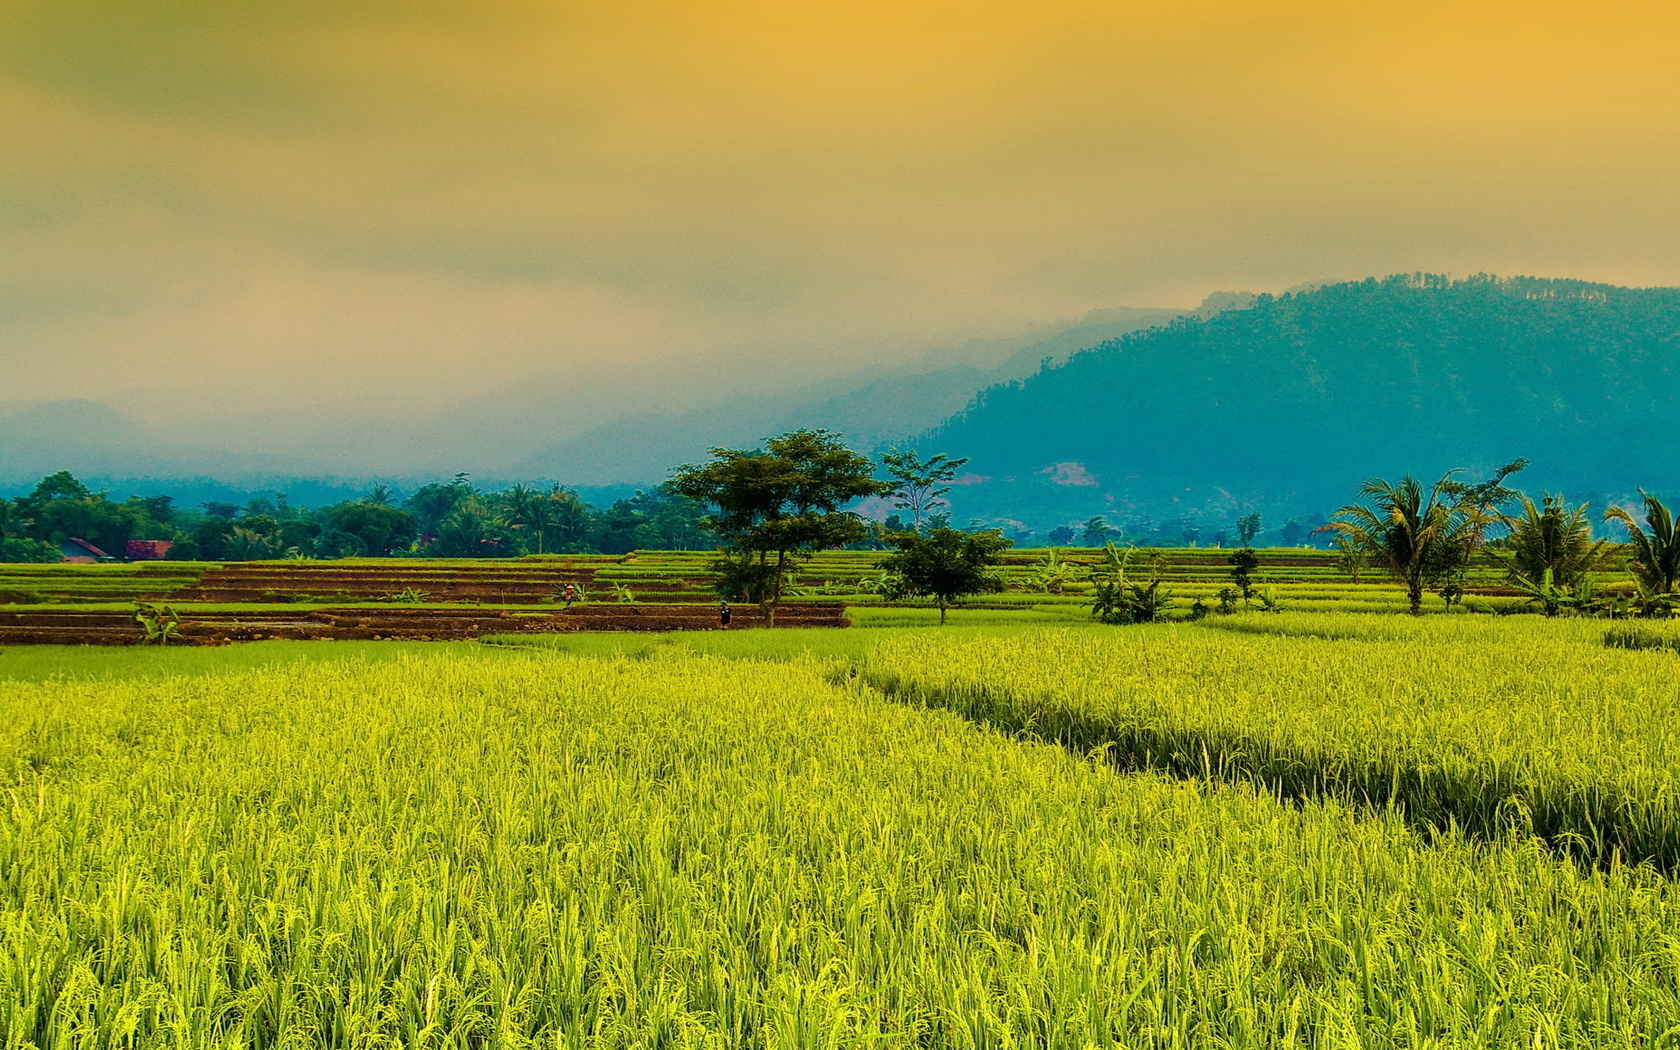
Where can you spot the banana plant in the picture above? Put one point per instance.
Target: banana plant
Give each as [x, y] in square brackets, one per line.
[1116, 599]
[159, 624]
[1545, 592]
[1266, 599]
[1053, 572]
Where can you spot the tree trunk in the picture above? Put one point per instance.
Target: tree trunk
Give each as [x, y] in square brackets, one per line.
[941, 612]
[776, 589]
[1414, 594]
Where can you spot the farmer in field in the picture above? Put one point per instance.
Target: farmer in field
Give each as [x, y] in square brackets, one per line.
[570, 595]
[723, 614]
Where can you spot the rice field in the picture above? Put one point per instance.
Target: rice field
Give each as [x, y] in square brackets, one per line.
[984, 836]
[1468, 724]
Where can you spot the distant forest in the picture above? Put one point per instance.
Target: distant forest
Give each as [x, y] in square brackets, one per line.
[446, 519]
[455, 519]
[1294, 400]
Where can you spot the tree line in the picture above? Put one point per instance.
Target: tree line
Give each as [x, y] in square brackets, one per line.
[447, 519]
[765, 509]
[457, 519]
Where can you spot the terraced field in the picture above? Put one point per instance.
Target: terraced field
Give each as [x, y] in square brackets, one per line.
[65, 584]
[371, 599]
[644, 590]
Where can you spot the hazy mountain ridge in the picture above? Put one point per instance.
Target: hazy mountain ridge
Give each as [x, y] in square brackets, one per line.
[877, 407]
[92, 438]
[499, 435]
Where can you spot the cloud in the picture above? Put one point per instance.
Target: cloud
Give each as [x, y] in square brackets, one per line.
[387, 201]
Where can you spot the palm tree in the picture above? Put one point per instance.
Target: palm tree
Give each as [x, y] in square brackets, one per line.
[571, 515]
[470, 531]
[520, 504]
[1552, 550]
[539, 515]
[250, 545]
[1656, 554]
[1419, 537]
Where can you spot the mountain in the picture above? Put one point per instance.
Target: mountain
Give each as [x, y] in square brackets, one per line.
[1293, 401]
[42, 437]
[874, 408]
[91, 439]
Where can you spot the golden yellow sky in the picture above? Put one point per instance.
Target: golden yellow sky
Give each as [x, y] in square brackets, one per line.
[425, 199]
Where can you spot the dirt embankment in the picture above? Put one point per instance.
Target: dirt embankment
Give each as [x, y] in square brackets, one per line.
[396, 623]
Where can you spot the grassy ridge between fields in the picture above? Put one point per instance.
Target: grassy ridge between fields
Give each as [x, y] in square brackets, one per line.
[1480, 725]
[504, 849]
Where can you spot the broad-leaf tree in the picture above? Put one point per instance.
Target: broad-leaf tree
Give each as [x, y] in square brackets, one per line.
[379, 528]
[919, 485]
[1095, 531]
[1244, 562]
[945, 564]
[431, 504]
[779, 503]
[1482, 501]
[1248, 527]
[1419, 536]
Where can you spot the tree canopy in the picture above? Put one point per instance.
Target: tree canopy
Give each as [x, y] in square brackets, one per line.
[1420, 536]
[919, 485]
[779, 502]
[945, 564]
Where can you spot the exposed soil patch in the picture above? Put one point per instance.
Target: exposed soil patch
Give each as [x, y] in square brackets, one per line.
[408, 624]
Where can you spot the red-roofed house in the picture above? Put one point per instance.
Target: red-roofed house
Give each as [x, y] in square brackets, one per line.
[82, 552]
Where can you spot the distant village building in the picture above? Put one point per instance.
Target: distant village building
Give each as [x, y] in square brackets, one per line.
[82, 552]
[147, 550]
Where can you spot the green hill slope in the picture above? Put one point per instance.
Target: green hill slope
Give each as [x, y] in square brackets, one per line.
[1297, 399]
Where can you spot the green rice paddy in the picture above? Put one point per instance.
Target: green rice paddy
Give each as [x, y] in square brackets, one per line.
[1304, 829]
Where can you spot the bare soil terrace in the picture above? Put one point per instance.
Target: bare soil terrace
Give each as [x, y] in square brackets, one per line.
[419, 623]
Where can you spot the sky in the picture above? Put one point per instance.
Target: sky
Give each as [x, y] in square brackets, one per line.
[226, 206]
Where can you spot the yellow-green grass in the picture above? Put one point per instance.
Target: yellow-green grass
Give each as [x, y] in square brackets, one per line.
[143, 568]
[541, 850]
[28, 590]
[839, 650]
[905, 616]
[42, 663]
[1477, 724]
[1492, 633]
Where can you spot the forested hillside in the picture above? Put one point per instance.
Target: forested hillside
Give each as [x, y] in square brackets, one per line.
[1298, 398]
